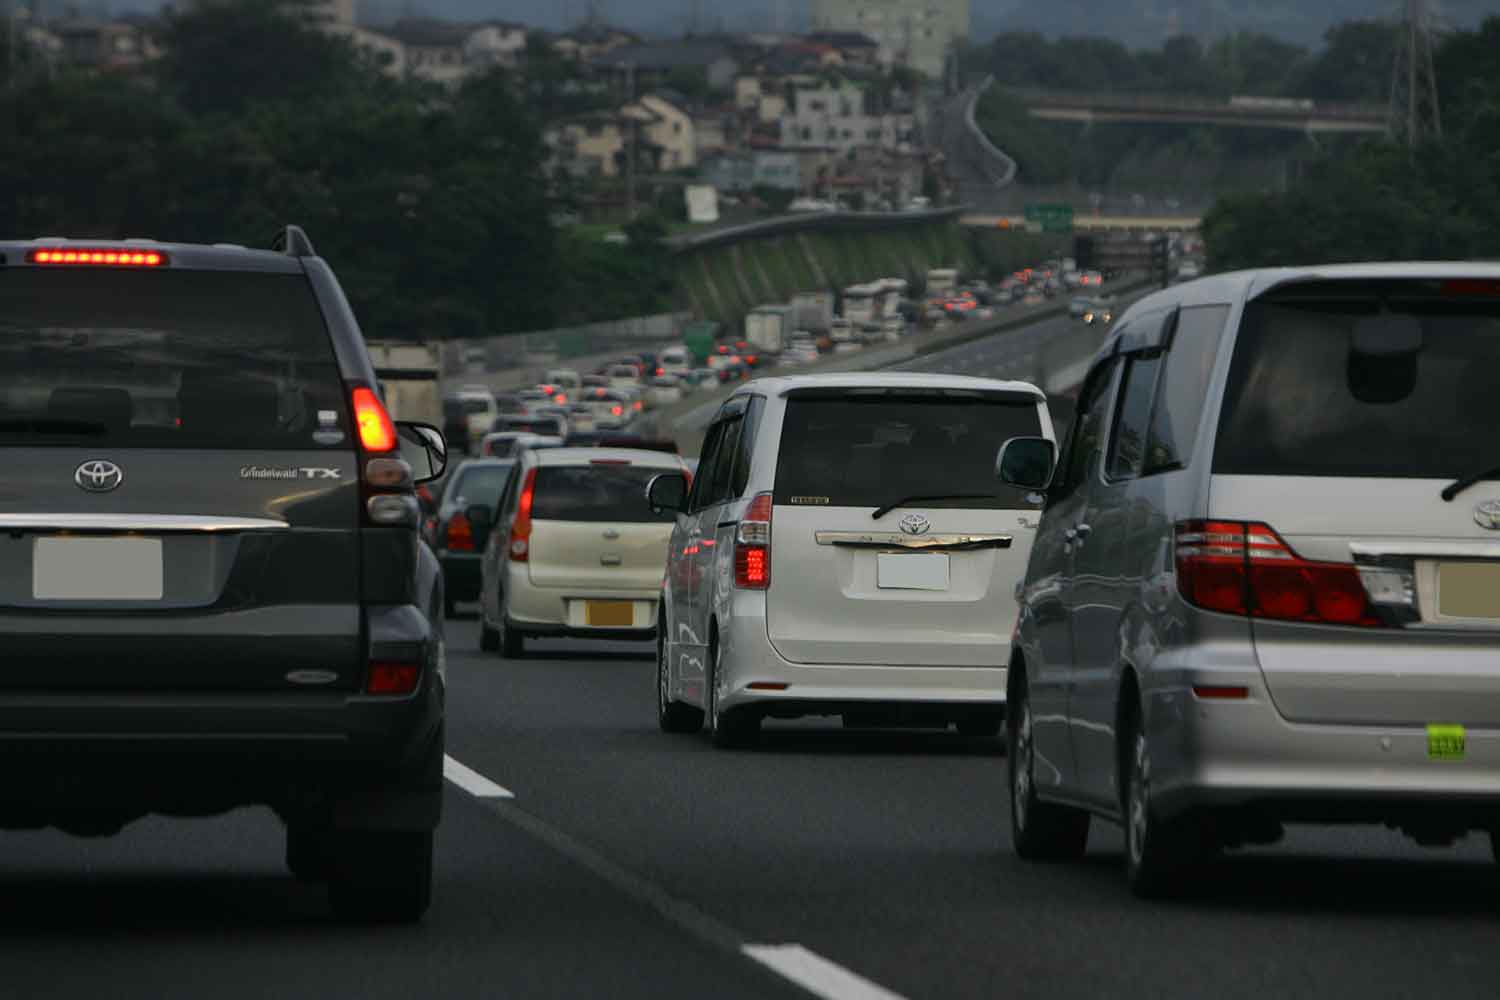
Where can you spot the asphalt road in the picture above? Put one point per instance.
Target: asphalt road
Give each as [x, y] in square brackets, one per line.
[635, 864]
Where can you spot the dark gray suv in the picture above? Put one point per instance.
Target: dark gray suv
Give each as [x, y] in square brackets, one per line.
[212, 592]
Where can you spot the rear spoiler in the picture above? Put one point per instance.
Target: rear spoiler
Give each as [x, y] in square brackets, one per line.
[950, 393]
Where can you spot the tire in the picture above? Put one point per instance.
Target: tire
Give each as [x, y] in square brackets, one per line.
[307, 853]
[489, 638]
[450, 607]
[981, 728]
[1159, 854]
[381, 876]
[730, 730]
[672, 716]
[512, 643]
[1039, 831]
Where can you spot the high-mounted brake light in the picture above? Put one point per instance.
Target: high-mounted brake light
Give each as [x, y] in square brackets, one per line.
[520, 531]
[376, 432]
[609, 461]
[1245, 568]
[752, 546]
[97, 257]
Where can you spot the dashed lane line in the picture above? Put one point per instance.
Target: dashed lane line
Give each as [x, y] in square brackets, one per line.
[817, 974]
[473, 782]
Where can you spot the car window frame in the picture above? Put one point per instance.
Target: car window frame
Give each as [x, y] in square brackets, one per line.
[1216, 340]
[707, 460]
[1103, 377]
[1117, 412]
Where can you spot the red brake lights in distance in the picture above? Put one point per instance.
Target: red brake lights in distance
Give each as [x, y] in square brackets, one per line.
[96, 257]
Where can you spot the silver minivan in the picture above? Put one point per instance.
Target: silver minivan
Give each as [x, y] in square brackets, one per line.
[1266, 584]
[846, 550]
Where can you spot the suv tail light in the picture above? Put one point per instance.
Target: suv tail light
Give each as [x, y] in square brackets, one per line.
[1245, 568]
[459, 537]
[520, 531]
[752, 546]
[376, 432]
[393, 678]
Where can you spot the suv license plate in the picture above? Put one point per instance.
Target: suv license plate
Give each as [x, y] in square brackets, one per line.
[609, 614]
[911, 571]
[96, 569]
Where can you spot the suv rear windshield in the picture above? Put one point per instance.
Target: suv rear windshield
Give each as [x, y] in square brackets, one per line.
[1301, 402]
[166, 359]
[865, 451]
[595, 493]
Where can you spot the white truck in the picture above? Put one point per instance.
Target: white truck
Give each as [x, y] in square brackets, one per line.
[941, 282]
[812, 311]
[767, 327]
[409, 374]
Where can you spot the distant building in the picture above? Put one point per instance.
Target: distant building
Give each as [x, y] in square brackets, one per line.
[915, 33]
[434, 49]
[743, 171]
[591, 42]
[587, 145]
[666, 125]
[110, 46]
[838, 118]
[653, 65]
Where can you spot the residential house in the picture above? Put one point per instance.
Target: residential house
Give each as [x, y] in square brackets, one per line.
[837, 117]
[589, 145]
[591, 42]
[649, 67]
[715, 130]
[854, 48]
[666, 125]
[495, 43]
[435, 50]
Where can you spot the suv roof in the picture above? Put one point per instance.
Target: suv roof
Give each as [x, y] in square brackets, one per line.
[181, 256]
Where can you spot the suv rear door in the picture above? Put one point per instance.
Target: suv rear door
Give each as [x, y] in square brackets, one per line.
[1345, 454]
[931, 582]
[179, 486]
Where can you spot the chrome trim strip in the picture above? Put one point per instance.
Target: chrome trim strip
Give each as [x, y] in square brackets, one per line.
[156, 523]
[1425, 550]
[896, 540]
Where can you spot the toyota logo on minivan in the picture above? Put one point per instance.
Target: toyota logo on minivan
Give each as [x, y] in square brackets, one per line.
[1487, 515]
[98, 476]
[915, 524]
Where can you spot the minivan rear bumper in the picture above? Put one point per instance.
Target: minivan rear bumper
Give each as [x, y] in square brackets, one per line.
[1241, 753]
[746, 657]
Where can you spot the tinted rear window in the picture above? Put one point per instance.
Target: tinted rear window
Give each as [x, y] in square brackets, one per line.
[481, 485]
[595, 493]
[865, 452]
[1300, 403]
[166, 359]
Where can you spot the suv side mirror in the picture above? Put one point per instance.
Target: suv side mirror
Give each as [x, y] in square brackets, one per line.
[667, 491]
[1026, 462]
[424, 449]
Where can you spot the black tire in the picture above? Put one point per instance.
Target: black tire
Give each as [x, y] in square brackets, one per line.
[983, 727]
[489, 638]
[672, 716]
[1039, 831]
[381, 876]
[734, 729]
[450, 608]
[1160, 854]
[308, 857]
[512, 643]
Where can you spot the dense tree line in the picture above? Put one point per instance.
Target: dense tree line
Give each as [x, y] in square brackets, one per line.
[431, 204]
[1381, 201]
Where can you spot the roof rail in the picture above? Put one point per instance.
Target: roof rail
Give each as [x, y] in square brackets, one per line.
[293, 242]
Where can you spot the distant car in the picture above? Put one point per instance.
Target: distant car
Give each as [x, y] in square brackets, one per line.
[705, 379]
[475, 481]
[509, 444]
[479, 409]
[565, 379]
[674, 361]
[612, 409]
[580, 417]
[665, 390]
[1080, 305]
[550, 425]
[563, 414]
[624, 376]
[575, 548]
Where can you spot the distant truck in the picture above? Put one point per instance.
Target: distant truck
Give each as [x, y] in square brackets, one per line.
[941, 282]
[409, 375]
[700, 337]
[768, 327]
[812, 311]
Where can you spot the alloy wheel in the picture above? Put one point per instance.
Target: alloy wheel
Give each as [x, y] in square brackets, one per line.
[1138, 827]
[1020, 767]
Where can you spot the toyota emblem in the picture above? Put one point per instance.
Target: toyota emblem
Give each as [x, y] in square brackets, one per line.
[1487, 515]
[98, 476]
[915, 524]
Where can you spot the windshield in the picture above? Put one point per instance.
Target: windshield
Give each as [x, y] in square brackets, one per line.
[849, 451]
[174, 359]
[1301, 402]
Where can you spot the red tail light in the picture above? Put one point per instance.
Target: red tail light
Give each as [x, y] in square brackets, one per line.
[1245, 568]
[520, 531]
[460, 534]
[376, 432]
[752, 546]
[393, 678]
[90, 256]
[618, 411]
[559, 398]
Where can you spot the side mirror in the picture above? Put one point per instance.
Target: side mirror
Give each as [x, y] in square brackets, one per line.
[1026, 462]
[667, 491]
[424, 448]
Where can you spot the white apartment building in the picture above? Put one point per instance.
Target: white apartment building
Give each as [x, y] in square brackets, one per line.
[914, 33]
[835, 118]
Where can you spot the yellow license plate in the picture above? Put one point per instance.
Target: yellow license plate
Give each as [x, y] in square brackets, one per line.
[1445, 742]
[609, 614]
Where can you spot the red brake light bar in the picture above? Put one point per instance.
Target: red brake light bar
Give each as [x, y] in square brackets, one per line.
[95, 257]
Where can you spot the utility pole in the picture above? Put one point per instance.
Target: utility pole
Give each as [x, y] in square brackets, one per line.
[1414, 112]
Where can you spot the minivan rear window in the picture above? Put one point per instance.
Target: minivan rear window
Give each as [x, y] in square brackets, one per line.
[595, 494]
[864, 451]
[1299, 402]
[166, 359]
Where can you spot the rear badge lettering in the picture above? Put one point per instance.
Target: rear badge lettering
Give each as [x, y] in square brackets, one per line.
[809, 501]
[301, 472]
[311, 678]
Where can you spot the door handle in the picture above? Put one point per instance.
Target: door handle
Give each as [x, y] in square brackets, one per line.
[609, 560]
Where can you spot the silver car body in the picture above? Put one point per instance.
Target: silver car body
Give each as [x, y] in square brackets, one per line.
[1291, 720]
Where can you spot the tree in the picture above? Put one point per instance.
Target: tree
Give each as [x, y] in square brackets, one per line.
[1355, 64]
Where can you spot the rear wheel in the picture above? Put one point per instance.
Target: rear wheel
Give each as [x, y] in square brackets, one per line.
[1159, 853]
[672, 716]
[512, 643]
[732, 728]
[1039, 831]
[381, 875]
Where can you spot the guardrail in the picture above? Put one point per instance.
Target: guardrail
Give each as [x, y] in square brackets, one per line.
[1167, 102]
[812, 222]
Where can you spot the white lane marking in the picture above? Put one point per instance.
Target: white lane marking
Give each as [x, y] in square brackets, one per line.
[473, 782]
[817, 974]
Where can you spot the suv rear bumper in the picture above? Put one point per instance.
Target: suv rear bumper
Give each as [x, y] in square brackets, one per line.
[746, 656]
[1243, 754]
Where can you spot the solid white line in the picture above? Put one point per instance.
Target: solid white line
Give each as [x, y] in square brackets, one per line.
[817, 974]
[473, 782]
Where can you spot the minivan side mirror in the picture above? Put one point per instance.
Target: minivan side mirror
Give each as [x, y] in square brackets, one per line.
[667, 491]
[1026, 462]
[424, 448]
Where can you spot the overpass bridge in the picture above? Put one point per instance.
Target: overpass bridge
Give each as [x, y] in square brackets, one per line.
[1293, 114]
[1093, 223]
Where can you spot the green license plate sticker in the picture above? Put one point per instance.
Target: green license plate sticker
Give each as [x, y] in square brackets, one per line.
[1445, 742]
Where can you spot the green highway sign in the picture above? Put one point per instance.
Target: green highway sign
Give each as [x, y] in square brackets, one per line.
[1049, 218]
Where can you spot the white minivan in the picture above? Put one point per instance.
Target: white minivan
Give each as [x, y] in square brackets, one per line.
[846, 549]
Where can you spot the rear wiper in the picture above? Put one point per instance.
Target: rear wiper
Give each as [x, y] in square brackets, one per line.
[1456, 487]
[52, 426]
[887, 508]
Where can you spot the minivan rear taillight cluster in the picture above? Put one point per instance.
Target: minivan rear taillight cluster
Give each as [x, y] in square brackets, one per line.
[752, 546]
[1245, 568]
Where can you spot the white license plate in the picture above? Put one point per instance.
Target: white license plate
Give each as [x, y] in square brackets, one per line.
[96, 569]
[911, 571]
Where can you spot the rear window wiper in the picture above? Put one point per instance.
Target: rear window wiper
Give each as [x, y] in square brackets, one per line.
[1456, 487]
[885, 509]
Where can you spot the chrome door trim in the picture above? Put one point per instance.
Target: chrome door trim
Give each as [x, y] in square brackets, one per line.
[156, 523]
[899, 540]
